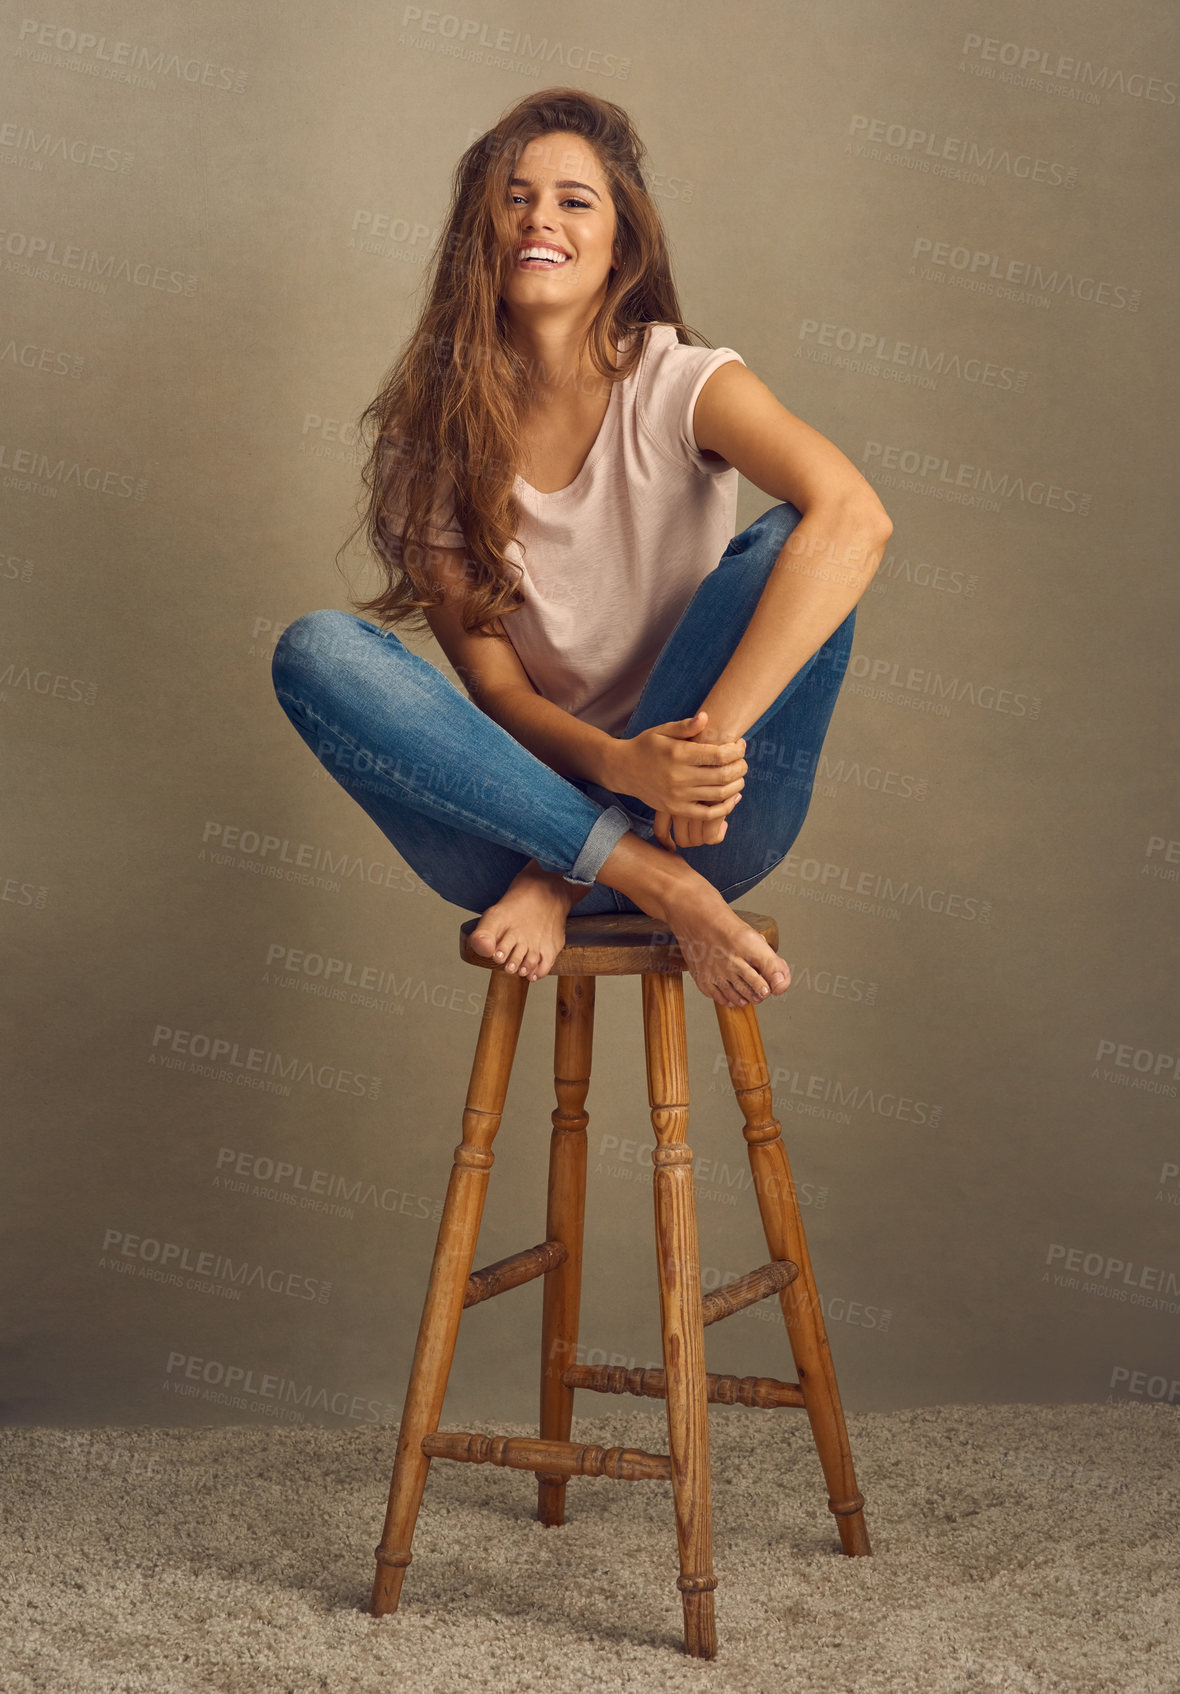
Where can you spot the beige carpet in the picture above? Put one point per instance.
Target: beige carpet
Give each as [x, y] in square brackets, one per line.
[1017, 1549]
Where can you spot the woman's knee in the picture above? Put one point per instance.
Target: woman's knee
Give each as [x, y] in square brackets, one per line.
[764, 539]
[313, 646]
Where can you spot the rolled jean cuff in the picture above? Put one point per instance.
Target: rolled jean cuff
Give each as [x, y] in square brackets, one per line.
[604, 837]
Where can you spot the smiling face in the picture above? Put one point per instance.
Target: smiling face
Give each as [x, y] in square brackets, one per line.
[565, 221]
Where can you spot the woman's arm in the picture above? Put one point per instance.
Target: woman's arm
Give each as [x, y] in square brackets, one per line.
[490, 670]
[828, 560]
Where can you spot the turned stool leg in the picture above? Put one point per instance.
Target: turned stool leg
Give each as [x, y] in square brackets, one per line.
[681, 1325]
[778, 1203]
[453, 1256]
[564, 1222]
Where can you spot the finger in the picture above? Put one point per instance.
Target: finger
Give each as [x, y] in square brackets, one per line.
[710, 782]
[706, 752]
[711, 807]
[708, 832]
[708, 794]
[708, 835]
[720, 768]
[688, 726]
[713, 782]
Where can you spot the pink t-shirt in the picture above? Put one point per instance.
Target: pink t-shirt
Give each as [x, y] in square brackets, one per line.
[610, 562]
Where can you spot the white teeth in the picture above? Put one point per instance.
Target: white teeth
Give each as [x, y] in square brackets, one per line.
[543, 253]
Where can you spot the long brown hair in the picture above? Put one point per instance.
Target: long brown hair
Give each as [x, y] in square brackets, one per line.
[446, 425]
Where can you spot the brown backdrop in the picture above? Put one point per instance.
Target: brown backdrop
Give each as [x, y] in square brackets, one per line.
[240, 1027]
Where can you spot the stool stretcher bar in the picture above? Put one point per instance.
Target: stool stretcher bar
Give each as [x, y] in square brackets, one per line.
[760, 1391]
[747, 1290]
[513, 1271]
[555, 1458]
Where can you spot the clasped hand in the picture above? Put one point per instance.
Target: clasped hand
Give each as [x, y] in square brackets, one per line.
[691, 782]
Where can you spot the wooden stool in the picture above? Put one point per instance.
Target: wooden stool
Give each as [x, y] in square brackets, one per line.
[622, 945]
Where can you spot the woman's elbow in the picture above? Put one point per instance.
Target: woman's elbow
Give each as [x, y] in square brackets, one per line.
[873, 514]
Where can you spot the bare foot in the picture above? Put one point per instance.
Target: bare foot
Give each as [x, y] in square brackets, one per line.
[730, 962]
[525, 929]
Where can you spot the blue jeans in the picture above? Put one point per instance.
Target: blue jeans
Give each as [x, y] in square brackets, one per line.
[466, 806]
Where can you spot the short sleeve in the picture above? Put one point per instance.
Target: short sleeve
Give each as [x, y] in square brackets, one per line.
[669, 387]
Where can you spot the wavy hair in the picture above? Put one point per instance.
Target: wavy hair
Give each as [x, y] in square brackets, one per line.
[445, 429]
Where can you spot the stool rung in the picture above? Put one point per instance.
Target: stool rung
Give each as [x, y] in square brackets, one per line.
[761, 1391]
[511, 1272]
[555, 1458]
[748, 1289]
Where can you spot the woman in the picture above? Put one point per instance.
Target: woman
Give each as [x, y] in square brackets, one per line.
[631, 679]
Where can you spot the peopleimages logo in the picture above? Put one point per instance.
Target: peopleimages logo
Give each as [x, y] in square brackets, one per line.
[838, 985]
[32, 895]
[26, 465]
[932, 259]
[894, 357]
[264, 1178]
[49, 683]
[33, 147]
[472, 38]
[884, 1103]
[839, 772]
[967, 484]
[252, 1067]
[248, 1389]
[124, 61]
[835, 883]
[1151, 1387]
[884, 675]
[47, 361]
[1112, 1277]
[1162, 858]
[1066, 73]
[1137, 1067]
[281, 858]
[898, 567]
[918, 147]
[370, 986]
[183, 1266]
[33, 255]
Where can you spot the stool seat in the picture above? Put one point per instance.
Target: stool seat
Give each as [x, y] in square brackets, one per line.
[619, 944]
[622, 944]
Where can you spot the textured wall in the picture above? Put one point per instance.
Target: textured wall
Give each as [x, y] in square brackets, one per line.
[937, 233]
